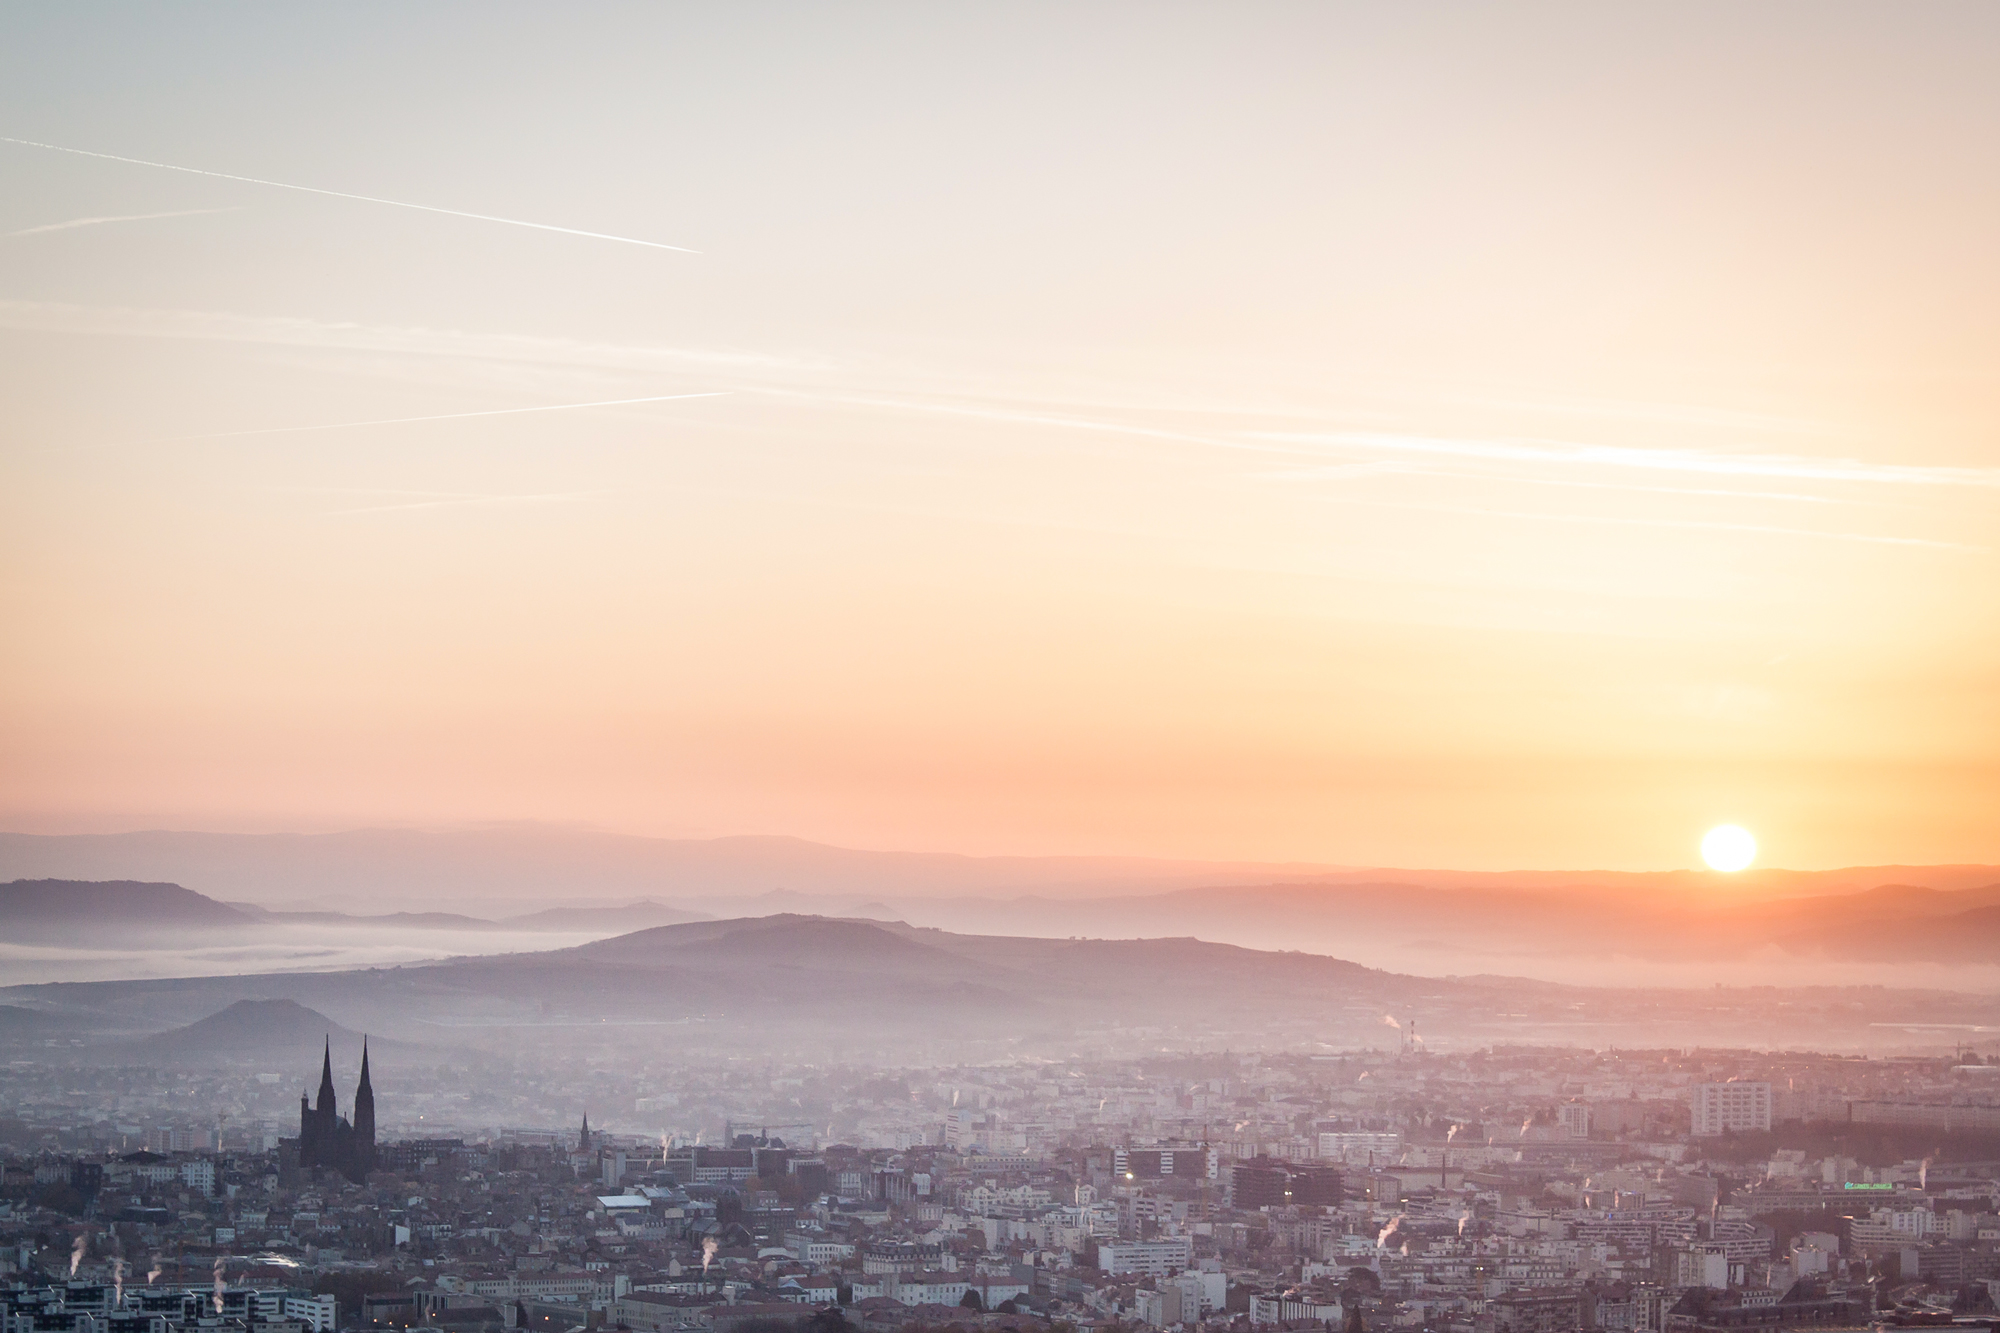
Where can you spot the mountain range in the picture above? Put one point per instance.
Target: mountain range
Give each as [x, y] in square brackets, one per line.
[1557, 932]
[813, 987]
[506, 870]
[76, 910]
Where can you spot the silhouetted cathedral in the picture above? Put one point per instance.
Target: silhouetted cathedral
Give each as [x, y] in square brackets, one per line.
[327, 1139]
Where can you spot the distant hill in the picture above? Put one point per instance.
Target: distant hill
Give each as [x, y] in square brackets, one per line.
[279, 1031]
[1913, 937]
[75, 910]
[632, 916]
[383, 920]
[33, 1026]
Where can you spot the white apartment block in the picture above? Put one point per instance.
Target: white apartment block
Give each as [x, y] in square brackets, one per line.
[1378, 1148]
[1147, 1258]
[320, 1313]
[1725, 1106]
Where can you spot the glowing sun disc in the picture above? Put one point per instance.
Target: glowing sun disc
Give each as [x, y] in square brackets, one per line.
[1728, 847]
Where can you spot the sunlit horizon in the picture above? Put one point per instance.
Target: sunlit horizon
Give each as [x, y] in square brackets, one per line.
[1358, 437]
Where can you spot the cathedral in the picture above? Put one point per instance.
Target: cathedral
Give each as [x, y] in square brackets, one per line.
[326, 1139]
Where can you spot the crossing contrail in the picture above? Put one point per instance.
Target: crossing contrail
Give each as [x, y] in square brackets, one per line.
[339, 194]
[443, 416]
[126, 217]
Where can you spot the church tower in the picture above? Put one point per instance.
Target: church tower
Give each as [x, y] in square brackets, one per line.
[364, 1116]
[327, 1141]
[325, 1108]
[583, 1139]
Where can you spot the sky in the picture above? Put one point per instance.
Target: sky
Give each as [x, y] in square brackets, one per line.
[1371, 434]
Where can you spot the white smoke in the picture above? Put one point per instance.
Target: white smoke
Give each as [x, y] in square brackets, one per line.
[1390, 1019]
[117, 1281]
[1452, 1133]
[153, 1273]
[76, 1251]
[1924, 1173]
[708, 1249]
[1382, 1239]
[1463, 1218]
[218, 1283]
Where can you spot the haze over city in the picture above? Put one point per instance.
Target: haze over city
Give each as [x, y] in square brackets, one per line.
[880, 668]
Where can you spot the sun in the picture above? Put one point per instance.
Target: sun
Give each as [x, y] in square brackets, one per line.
[1727, 847]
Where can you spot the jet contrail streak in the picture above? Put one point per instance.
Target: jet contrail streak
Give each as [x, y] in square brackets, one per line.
[445, 416]
[462, 501]
[338, 194]
[92, 222]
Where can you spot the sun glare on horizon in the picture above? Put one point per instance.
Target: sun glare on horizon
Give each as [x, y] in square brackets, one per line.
[1727, 847]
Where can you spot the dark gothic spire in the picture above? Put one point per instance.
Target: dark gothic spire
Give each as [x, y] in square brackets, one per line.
[326, 1097]
[364, 1119]
[583, 1141]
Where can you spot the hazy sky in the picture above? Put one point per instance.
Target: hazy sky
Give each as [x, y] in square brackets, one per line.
[1463, 436]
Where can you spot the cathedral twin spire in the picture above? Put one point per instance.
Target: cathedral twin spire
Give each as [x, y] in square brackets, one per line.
[326, 1139]
[326, 1097]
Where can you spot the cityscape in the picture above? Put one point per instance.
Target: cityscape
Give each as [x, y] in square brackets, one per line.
[570, 1177]
[744, 666]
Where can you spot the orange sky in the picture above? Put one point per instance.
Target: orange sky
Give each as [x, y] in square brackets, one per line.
[1360, 435]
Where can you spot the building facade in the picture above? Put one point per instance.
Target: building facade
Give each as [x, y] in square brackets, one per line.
[1721, 1107]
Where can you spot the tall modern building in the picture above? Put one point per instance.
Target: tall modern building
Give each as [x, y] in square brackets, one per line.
[1719, 1107]
[327, 1140]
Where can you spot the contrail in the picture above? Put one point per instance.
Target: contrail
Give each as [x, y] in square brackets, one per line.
[92, 222]
[456, 501]
[339, 194]
[443, 416]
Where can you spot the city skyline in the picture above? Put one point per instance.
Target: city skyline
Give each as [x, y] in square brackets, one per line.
[999, 668]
